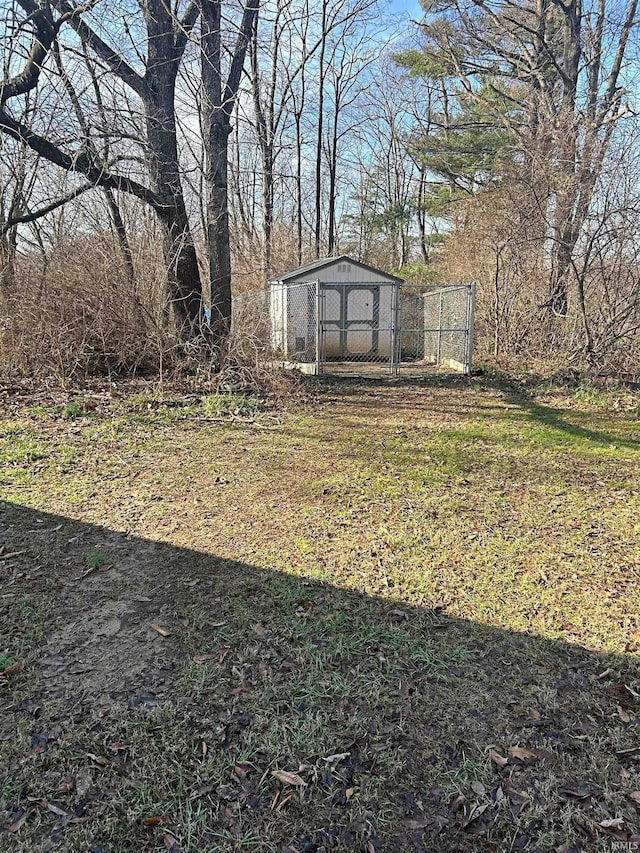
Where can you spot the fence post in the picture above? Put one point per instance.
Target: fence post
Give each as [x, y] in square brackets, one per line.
[318, 329]
[439, 344]
[396, 332]
[471, 308]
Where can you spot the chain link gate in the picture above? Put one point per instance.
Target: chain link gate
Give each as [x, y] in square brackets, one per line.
[356, 324]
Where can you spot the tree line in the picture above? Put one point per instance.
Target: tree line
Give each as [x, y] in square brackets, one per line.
[204, 145]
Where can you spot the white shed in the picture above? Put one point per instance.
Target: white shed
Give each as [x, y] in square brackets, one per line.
[334, 309]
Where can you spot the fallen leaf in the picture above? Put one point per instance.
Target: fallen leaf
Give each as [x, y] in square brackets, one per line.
[498, 759]
[241, 770]
[349, 793]
[577, 790]
[288, 778]
[614, 826]
[519, 800]
[522, 753]
[17, 825]
[55, 809]
[156, 820]
[478, 788]
[84, 781]
[543, 671]
[283, 800]
[203, 658]
[11, 670]
[623, 714]
[339, 756]
[635, 796]
[260, 630]
[612, 823]
[171, 844]
[477, 810]
[164, 632]
[398, 615]
[98, 759]
[205, 789]
[458, 803]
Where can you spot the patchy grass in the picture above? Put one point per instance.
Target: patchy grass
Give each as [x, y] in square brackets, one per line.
[5, 661]
[74, 409]
[420, 599]
[96, 560]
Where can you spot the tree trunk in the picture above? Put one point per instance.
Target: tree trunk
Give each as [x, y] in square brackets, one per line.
[185, 285]
[299, 238]
[333, 172]
[321, 73]
[218, 225]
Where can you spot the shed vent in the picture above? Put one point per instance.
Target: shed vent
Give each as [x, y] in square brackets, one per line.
[344, 267]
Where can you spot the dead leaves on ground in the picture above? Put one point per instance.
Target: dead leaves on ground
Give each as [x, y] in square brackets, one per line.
[519, 753]
[498, 759]
[288, 778]
[522, 753]
[171, 844]
[17, 825]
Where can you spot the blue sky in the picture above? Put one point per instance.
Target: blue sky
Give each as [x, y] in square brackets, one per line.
[410, 8]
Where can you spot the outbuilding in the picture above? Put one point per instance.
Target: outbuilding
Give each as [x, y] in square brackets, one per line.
[334, 309]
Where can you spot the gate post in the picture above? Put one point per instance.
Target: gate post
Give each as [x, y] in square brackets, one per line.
[471, 310]
[318, 329]
[439, 345]
[396, 332]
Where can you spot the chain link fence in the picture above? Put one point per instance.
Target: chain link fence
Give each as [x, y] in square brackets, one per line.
[336, 327]
[435, 327]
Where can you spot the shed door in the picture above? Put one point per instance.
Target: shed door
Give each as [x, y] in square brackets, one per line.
[360, 319]
[350, 320]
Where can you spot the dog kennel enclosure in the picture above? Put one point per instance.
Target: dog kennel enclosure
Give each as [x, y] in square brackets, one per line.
[336, 313]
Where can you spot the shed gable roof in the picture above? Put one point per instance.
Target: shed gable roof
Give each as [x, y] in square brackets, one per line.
[321, 263]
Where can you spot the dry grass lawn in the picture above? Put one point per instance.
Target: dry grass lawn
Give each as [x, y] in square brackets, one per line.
[394, 617]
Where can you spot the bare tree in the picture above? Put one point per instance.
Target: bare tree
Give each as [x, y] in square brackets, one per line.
[153, 86]
[559, 70]
[219, 98]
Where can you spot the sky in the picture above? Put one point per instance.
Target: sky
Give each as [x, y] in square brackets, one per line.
[408, 8]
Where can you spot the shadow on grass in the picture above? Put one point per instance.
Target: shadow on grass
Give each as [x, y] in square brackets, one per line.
[514, 403]
[559, 420]
[164, 691]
